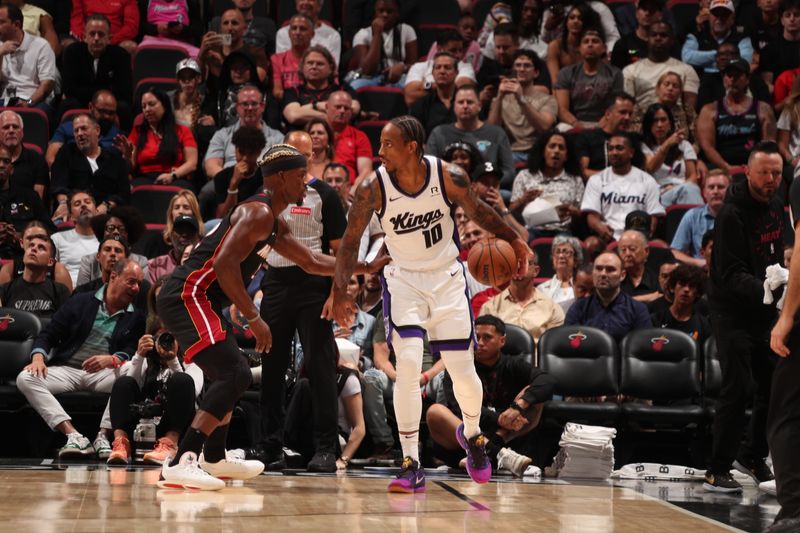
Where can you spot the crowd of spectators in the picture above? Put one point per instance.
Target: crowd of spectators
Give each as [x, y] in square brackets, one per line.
[582, 126]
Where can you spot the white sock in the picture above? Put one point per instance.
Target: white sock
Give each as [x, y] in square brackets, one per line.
[407, 396]
[466, 387]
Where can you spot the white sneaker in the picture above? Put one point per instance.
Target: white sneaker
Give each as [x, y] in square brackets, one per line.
[77, 446]
[232, 467]
[187, 474]
[769, 487]
[516, 463]
[102, 446]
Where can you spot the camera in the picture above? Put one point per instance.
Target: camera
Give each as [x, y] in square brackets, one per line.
[166, 340]
[147, 409]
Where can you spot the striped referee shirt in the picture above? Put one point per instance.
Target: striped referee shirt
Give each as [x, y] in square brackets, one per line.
[320, 220]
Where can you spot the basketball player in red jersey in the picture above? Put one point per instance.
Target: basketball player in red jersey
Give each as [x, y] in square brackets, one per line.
[190, 305]
[425, 288]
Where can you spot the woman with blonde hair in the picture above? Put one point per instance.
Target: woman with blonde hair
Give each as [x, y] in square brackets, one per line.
[669, 89]
[789, 127]
[183, 203]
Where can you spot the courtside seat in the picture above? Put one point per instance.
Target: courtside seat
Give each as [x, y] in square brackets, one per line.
[519, 343]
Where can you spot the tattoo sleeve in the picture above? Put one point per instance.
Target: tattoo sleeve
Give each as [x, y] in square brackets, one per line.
[366, 202]
[475, 208]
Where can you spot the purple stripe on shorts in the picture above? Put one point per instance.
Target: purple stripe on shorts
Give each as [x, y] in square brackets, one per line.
[455, 345]
[407, 332]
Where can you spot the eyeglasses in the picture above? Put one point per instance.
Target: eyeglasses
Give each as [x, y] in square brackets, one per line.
[249, 105]
[565, 253]
[116, 227]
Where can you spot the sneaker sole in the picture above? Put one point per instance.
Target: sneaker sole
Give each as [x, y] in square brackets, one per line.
[153, 461]
[462, 441]
[75, 454]
[712, 488]
[395, 489]
[231, 477]
[165, 484]
[117, 462]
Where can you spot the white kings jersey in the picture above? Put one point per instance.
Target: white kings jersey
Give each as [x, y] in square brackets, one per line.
[420, 229]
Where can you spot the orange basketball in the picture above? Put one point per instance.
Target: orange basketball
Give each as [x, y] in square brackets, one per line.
[492, 261]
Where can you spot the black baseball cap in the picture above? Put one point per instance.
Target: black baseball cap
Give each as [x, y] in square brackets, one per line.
[186, 221]
[639, 221]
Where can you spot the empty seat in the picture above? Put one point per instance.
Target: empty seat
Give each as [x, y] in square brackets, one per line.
[388, 102]
[18, 330]
[156, 61]
[585, 364]
[662, 365]
[152, 201]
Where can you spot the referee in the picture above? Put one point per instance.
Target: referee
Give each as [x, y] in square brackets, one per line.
[293, 300]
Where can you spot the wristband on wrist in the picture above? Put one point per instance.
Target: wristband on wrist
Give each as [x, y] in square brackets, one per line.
[251, 320]
[517, 407]
[505, 212]
[233, 191]
[425, 378]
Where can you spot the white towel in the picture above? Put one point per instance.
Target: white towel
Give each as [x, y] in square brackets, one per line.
[777, 276]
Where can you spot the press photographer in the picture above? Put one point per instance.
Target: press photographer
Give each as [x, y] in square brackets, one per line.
[154, 384]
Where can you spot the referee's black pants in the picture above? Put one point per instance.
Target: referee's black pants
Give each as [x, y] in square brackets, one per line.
[293, 300]
[784, 428]
[747, 364]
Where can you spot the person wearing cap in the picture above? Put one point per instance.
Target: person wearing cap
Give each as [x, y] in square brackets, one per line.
[783, 53]
[185, 231]
[187, 100]
[521, 110]
[94, 64]
[213, 277]
[86, 165]
[700, 47]
[729, 128]
[712, 87]
[486, 184]
[642, 76]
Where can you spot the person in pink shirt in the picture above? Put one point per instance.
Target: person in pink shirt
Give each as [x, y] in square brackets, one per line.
[123, 14]
[286, 65]
[185, 231]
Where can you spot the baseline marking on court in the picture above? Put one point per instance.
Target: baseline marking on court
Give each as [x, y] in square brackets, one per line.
[477, 505]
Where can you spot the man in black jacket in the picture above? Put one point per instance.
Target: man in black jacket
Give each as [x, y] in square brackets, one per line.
[513, 398]
[94, 64]
[81, 348]
[748, 237]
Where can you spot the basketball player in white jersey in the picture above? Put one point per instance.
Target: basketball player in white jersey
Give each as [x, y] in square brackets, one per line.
[425, 288]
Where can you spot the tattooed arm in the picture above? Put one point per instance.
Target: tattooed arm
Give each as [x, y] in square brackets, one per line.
[459, 190]
[367, 201]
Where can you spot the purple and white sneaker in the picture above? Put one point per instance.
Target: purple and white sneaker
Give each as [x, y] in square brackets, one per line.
[410, 479]
[479, 467]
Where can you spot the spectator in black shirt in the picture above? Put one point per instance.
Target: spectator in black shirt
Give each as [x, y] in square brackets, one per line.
[30, 169]
[514, 393]
[35, 291]
[318, 81]
[260, 32]
[436, 107]
[592, 143]
[784, 52]
[94, 64]
[686, 283]
[632, 46]
[85, 165]
[238, 182]
[640, 282]
[18, 206]
[763, 26]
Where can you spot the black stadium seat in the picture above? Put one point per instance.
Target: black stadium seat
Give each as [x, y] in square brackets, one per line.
[673, 219]
[163, 84]
[18, 330]
[156, 61]
[585, 364]
[662, 365]
[427, 35]
[388, 102]
[372, 129]
[152, 201]
[519, 343]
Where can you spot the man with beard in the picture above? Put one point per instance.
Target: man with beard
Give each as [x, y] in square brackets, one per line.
[30, 169]
[748, 236]
[103, 108]
[88, 166]
[73, 244]
[618, 190]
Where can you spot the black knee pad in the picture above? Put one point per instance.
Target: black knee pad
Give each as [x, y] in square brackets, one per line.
[242, 377]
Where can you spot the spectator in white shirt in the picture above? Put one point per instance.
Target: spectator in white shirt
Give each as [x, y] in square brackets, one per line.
[420, 75]
[324, 35]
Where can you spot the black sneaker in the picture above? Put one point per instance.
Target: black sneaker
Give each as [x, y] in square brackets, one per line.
[721, 483]
[755, 468]
[786, 525]
[322, 462]
[274, 461]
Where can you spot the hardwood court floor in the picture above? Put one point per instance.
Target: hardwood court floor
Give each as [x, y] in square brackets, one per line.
[87, 499]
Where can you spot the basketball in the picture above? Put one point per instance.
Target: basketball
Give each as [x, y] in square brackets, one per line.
[492, 261]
